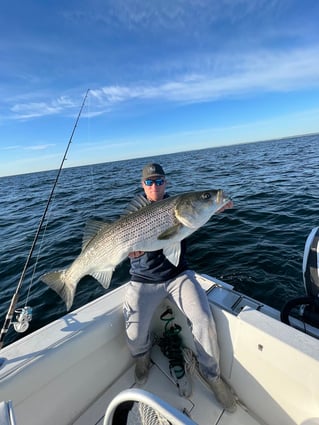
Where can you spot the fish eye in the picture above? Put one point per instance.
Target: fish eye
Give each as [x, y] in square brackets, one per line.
[206, 195]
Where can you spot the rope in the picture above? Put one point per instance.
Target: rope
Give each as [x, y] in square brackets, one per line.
[190, 360]
[171, 345]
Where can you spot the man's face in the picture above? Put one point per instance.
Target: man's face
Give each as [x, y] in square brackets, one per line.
[154, 191]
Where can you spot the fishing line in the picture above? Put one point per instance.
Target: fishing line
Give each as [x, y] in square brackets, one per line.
[93, 187]
[37, 258]
[15, 297]
[88, 103]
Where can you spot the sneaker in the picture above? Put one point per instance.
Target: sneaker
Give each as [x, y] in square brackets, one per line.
[142, 367]
[223, 394]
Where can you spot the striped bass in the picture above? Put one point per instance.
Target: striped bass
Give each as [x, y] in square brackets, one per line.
[146, 227]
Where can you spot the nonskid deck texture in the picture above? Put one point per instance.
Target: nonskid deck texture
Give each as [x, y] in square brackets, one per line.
[201, 406]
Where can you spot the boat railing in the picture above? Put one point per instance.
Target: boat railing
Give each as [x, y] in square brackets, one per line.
[136, 406]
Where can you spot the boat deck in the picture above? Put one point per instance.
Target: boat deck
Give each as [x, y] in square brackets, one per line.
[201, 407]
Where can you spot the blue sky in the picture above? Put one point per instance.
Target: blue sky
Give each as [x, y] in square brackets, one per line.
[164, 76]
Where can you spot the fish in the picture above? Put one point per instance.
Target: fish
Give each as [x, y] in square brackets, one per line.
[144, 226]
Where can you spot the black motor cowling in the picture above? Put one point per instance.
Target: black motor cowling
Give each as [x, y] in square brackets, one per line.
[309, 304]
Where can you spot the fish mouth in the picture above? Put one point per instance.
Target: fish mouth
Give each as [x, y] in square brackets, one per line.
[223, 201]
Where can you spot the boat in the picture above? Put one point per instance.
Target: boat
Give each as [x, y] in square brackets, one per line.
[78, 370]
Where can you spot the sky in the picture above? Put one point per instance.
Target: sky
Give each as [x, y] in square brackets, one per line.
[163, 76]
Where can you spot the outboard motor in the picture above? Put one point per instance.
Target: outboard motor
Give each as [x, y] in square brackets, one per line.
[309, 304]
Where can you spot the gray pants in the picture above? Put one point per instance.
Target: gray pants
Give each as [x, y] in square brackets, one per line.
[141, 301]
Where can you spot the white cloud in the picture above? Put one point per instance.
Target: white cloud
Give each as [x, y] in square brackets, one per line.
[211, 77]
[264, 71]
[39, 147]
[29, 110]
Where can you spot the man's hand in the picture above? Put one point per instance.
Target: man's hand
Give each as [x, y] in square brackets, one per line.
[135, 254]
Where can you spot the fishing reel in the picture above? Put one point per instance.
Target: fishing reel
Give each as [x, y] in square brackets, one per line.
[23, 319]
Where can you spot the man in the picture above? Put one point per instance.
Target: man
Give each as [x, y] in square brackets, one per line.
[154, 278]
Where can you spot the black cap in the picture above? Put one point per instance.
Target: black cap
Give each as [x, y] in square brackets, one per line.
[152, 170]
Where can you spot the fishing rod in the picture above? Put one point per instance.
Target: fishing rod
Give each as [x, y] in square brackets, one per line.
[15, 297]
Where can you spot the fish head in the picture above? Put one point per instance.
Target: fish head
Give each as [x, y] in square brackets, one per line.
[194, 209]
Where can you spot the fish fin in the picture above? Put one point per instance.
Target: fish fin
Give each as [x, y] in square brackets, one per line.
[171, 232]
[57, 281]
[104, 277]
[138, 202]
[91, 229]
[172, 253]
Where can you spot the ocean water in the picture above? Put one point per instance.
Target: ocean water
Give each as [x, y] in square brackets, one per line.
[257, 246]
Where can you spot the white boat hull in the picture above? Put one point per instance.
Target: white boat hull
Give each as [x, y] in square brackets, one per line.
[70, 371]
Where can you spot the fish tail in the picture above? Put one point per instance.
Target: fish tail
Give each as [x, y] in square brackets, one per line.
[58, 282]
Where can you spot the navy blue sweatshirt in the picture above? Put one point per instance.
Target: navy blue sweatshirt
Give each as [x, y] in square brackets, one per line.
[154, 267]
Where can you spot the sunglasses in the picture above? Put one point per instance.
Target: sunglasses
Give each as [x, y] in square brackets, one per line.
[157, 182]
